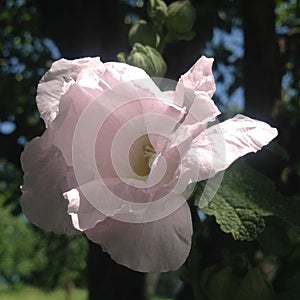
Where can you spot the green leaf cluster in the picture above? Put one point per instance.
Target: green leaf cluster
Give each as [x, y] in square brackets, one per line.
[244, 198]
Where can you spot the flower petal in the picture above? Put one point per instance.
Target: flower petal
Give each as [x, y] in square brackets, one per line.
[56, 82]
[160, 120]
[199, 78]
[157, 246]
[46, 177]
[202, 110]
[96, 200]
[84, 215]
[220, 145]
[72, 104]
[117, 73]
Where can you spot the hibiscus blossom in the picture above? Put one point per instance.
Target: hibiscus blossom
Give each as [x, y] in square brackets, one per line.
[119, 156]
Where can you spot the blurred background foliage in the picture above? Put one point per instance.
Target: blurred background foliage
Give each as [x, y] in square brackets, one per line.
[256, 46]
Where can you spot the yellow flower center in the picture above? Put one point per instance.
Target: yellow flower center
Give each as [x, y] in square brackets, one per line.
[141, 156]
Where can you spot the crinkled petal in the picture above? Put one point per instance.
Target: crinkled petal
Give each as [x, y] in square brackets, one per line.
[128, 81]
[96, 200]
[56, 82]
[71, 107]
[84, 215]
[117, 73]
[89, 79]
[109, 196]
[157, 246]
[160, 118]
[202, 110]
[199, 78]
[165, 165]
[220, 145]
[46, 178]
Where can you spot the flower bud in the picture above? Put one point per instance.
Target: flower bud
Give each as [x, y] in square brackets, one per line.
[143, 33]
[147, 58]
[181, 17]
[235, 281]
[219, 282]
[121, 57]
[157, 10]
[253, 286]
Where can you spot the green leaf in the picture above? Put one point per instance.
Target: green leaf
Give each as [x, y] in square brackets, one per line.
[293, 289]
[245, 197]
[274, 239]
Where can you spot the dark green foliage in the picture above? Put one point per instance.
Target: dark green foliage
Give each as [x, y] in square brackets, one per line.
[244, 198]
[63, 261]
[19, 251]
[275, 238]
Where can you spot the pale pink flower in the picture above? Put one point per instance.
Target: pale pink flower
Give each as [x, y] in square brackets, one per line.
[118, 155]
